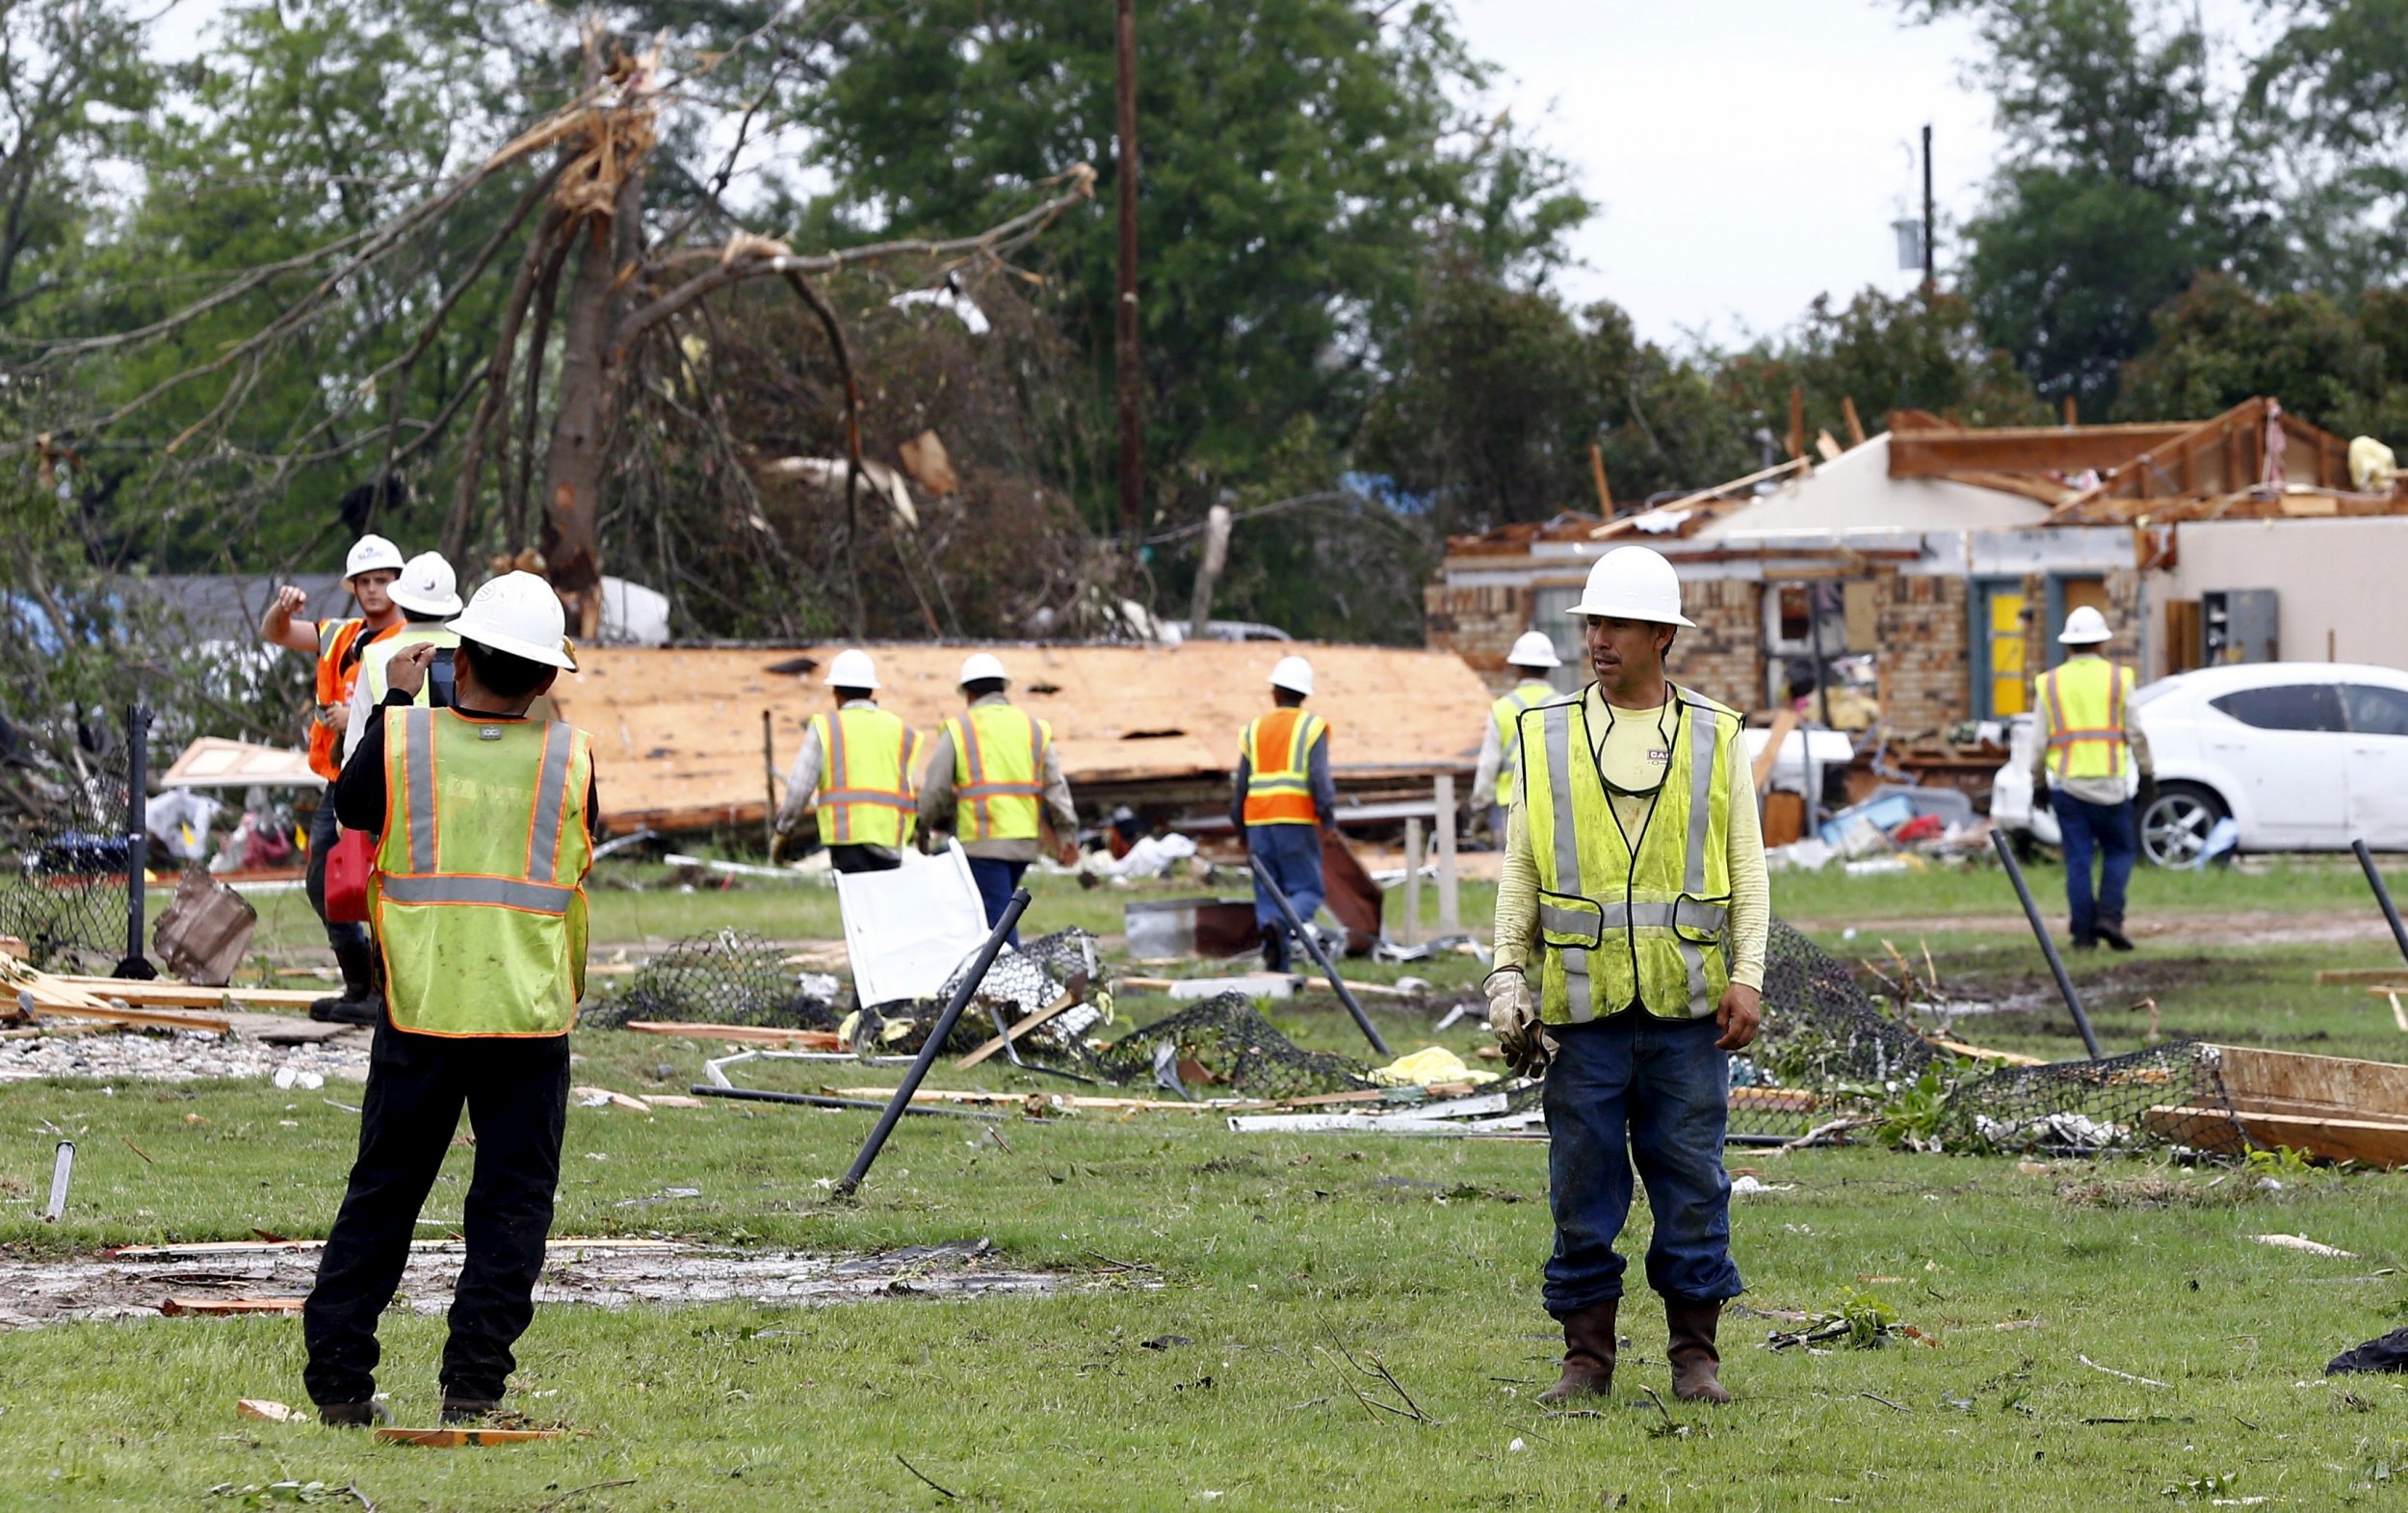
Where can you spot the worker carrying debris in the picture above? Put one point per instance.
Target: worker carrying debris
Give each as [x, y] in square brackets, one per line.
[854, 773]
[993, 778]
[339, 644]
[1500, 739]
[487, 820]
[2085, 725]
[1634, 893]
[1281, 801]
[428, 594]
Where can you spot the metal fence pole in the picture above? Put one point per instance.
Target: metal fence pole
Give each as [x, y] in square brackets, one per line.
[935, 1046]
[2048, 947]
[135, 966]
[1312, 943]
[2382, 895]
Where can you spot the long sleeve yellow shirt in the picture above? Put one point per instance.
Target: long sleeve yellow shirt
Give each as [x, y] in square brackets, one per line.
[1632, 751]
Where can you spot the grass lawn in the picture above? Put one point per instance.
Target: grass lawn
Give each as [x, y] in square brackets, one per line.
[1270, 1252]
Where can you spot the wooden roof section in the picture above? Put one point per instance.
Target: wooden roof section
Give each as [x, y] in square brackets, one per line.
[678, 731]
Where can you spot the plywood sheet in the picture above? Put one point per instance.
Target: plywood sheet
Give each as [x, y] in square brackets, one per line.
[677, 730]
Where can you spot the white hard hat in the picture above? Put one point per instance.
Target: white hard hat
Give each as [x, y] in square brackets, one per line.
[1294, 675]
[853, 669]
[979, 667]
[427, 586]
[2084, 627]
[519, 613]
[1533, 650]
[1634, 583]
[369, 553]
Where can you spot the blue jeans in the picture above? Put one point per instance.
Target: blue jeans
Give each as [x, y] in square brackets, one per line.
[2107, 830]
[1292, 854]
[996, 881]
[321, 838]
[1636, 1088]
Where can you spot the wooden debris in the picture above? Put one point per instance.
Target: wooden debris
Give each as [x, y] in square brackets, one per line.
[1983, 1053]
[673, 1100]
[1057, 1006]
[260, 1247]
[177, 1307]
[165, 993]
[269, 1409]
[2352, 976]
[616, 1100]
[742, 1034]
[455, 1438]
[2306, 1247]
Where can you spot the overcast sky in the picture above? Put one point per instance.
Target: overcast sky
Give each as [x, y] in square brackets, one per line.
[1745, 155]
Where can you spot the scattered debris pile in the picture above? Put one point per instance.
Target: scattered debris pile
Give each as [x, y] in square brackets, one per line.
[1827, 1051]
[1058, 972]
[726, 977]
[63, 859]
[1224, 1043]
[2172, 1094]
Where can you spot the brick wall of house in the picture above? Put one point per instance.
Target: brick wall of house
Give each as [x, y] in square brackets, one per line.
[1478, 624]
[2123, 617]
[1925, 681]
[1723, 658]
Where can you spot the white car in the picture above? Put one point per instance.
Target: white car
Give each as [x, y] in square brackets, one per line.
[2303, 756]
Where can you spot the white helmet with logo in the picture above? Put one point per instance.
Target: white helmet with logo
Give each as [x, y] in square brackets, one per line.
[1634, 583]
[1294, 675]
[2084, 627]
[853, 669]
[519, 613]
[371, 553]
[426, 586]
[981, 666]
[1533, 650]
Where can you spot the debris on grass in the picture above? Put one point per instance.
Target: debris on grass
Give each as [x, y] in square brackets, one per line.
[2145, 1381]
[268, 1409]
[2306, 1247]
[1862, 1322]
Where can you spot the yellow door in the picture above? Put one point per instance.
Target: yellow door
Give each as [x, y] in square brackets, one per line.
[2010, 692]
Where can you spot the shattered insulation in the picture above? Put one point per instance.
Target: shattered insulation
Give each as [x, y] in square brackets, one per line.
[727, 978]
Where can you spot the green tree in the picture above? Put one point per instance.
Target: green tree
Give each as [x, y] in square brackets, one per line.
[1884, 353]
[2221, 343]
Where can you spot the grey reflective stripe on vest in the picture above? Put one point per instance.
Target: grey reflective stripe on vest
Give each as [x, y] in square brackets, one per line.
[1705, 742]
[418, 776]
[542, 898]
[543, 842]
[1556, 726]
[1684, 914]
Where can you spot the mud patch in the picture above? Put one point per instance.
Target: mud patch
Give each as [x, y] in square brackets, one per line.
[34, 1293]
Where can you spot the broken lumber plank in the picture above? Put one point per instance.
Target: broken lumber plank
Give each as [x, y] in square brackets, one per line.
[454, 1438]
[135, 1018]
[1050, 1011]
[269, 1409]
[1982, 1052]
[742, 1034]
[938, 1095]
[177, 1307]
[614, 1100]
[2351, 976]
[168, 993]
[2368, 1142]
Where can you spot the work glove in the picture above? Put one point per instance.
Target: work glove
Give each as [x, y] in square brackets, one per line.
[2041, 802]
[1513, 1017]
[2148, 791]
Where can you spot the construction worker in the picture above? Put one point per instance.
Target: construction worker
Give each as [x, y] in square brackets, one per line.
[1630, 944]
[428, 594]
[2085, 724]
[487, 821]
[369, 570]
[993, 778]
[854, 771]
[1492, 782]
[1282, 799]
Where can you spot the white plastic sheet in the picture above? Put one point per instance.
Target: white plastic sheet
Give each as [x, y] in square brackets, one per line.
[907, 929]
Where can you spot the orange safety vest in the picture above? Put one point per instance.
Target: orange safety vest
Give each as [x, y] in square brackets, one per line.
[2085, 703]
[999, 773]
[865, 796]
[340, 645]
[1278, 751]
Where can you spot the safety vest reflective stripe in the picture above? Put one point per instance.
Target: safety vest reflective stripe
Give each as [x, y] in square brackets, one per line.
[2089, 742]
[1684, 914]
[543, 832]
[508, 893]
[1278, 752]
[418, 769]
[1506, 711]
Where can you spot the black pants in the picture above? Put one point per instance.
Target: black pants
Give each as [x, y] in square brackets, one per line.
[517, 1093]
[861, 859]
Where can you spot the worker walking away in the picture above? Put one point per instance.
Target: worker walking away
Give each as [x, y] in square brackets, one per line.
[1500, 744]
[2085, 726]
[1630, 944]
[994, 779]
[1282, 799]
[369, 570]
[854, 773]
[428, 594]
[487, 821]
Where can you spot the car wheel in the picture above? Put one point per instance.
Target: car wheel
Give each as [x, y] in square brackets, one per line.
[2175, 829]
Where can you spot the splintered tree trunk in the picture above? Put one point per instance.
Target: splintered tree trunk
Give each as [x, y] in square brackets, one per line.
[591, 357]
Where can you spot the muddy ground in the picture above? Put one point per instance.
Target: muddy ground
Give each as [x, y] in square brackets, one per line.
[49, 1290]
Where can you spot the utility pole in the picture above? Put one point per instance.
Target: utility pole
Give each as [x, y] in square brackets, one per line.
[1125, 308]
[1931, 281]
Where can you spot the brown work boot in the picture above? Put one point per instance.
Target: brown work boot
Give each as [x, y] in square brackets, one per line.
[1588, 1347]
[1695, 1358]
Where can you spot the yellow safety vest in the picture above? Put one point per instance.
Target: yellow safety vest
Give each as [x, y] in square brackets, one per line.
[1506, 711]
[479, 888]
[2085, 703]
[378, 660]
[1278, 751]
[865, 796]
[999, 767]
[1617, 928]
